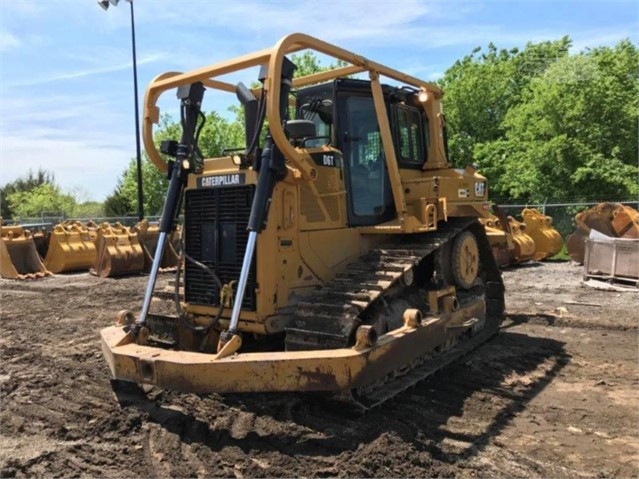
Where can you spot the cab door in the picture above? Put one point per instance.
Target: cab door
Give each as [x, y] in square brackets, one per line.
[368, 194]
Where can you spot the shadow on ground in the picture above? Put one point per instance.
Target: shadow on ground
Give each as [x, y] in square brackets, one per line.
[451, 416]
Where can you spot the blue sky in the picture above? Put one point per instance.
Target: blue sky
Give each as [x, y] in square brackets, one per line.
[66, 88]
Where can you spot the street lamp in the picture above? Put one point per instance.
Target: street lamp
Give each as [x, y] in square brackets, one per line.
[105, 5]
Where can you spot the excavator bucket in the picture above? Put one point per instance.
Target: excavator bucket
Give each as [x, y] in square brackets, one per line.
[148, 237]
[548, 241]
[118, 251]
[612, 219]
[508, 241]
[18, 255]
[576, 245]
[41, 239]
[92, 227]
[626, 222]
[524, 247]
[70, 248]
[500, 241]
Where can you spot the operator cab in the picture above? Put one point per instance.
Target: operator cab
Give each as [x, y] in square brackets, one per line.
[344, 115]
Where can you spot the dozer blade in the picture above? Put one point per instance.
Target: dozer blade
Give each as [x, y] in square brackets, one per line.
[18, 255]
[148, 238]
[333, 370]
[118, 252]
[548, 241]
[70, 248]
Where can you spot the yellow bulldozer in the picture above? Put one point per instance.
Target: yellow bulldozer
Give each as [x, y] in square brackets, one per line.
[337, 251]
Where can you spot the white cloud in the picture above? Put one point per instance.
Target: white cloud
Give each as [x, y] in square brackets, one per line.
[86, 72]
[601, 37]
[8, 41]
[358, 25]
[377, 22]
[87, 138]
[75, 163]
[82, 140]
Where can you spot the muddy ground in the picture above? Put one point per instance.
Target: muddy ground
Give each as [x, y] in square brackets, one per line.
[555, 394]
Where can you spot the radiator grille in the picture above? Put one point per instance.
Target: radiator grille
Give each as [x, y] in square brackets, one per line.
[215, 223]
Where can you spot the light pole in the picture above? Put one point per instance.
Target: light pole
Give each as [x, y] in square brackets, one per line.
[105, 5]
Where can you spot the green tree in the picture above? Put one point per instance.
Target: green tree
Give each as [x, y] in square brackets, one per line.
[220, 134]
[574, 134]
[307, 63]
[117, 204]
[217, 135]
[46, 198]
[482, 87]
[154, 185]
[88, 209]
[25, 183]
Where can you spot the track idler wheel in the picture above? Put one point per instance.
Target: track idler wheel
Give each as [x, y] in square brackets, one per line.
[462, 266]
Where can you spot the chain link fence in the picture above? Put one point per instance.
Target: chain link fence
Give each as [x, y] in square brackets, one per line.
[562, 214]
[48, 222]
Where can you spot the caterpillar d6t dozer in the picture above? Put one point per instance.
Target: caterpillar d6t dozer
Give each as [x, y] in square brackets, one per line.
[338, 252]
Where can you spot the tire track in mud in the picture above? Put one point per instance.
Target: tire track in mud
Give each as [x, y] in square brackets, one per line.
[293, 434]
[60, 415]
[556, 320]
[252, 436]
[53, 380]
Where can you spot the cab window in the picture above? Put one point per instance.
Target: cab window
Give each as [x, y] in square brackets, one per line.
[410, 137]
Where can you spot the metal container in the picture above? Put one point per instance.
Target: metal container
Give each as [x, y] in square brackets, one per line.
[612, 259]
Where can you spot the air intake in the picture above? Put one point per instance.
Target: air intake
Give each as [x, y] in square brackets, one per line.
[215, 234]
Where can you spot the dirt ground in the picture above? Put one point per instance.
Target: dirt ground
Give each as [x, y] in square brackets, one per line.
[555, 394]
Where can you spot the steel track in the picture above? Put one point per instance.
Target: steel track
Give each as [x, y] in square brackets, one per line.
[329, 317]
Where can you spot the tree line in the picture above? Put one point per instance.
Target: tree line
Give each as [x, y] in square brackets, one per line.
[542, 123]
[539, 122]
